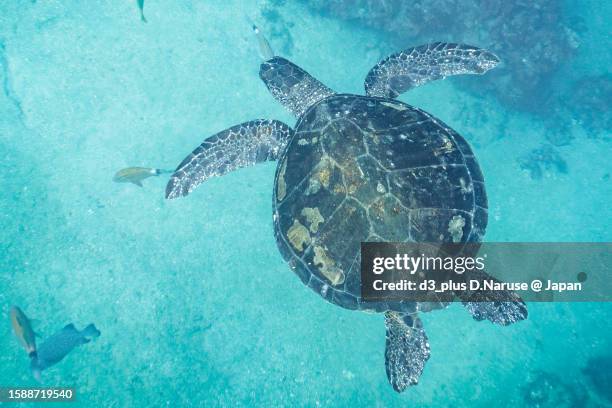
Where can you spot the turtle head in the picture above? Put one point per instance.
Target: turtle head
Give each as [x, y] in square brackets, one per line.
[485, 61]
[293, 87]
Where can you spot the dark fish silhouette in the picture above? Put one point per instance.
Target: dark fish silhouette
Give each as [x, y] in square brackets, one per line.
[58, 346]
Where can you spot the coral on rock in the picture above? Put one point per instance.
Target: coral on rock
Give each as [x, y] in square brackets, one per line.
[590, 99]
[599, 372]
[548, 390]
[543, 159]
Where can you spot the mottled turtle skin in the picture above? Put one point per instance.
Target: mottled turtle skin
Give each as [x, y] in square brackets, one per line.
[362, 168]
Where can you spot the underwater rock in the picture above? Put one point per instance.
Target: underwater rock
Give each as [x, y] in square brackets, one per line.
[599, 371]
[529, 37]
[278, 29]
[547, 390]
[590, 100]
[545, 158]
[558, 131]
[585, 104]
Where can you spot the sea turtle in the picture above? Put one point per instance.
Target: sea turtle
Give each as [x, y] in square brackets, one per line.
[362, 168]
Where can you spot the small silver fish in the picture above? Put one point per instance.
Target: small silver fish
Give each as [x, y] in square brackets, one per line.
[135, 175]
[23, 330]
[58, 346]
[141, 8]
[264, 46]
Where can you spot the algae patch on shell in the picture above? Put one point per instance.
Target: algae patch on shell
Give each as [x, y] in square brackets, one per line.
[327, 266]
[298, 235]
[281, 186]
[324, 173]
[455, 227]
[395, 106]
[313, 218]
[313, 187]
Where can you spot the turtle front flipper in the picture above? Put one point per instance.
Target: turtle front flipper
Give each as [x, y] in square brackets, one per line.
[293, 87]
[407, 349]
[239, 146]
[499, 307]
[416, 66]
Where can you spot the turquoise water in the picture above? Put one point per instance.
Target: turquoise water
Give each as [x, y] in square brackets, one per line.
[194, 302]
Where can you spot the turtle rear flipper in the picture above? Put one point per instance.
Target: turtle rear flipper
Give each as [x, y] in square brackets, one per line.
[293, 87]
[500, 307]
[239, 146]
[416, 66]
[407, 349]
